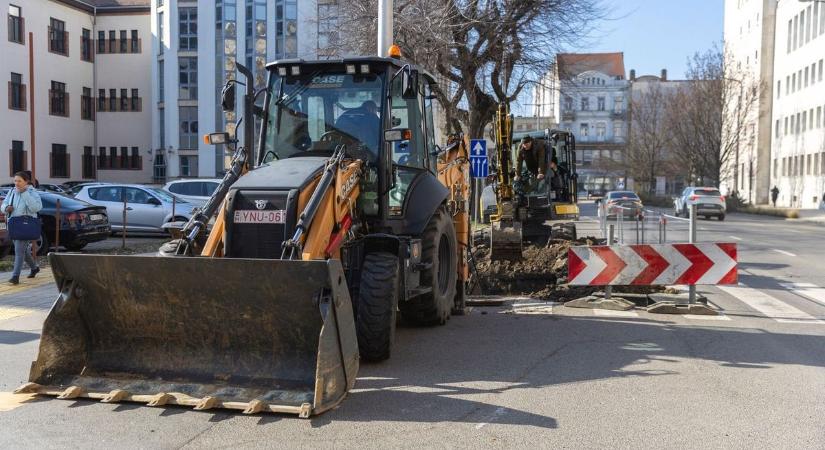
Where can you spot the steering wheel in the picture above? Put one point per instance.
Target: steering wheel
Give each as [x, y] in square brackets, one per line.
[330, 135]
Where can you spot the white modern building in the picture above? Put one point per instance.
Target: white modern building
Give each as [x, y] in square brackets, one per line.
[798, 144]
[750, 28]
[196, 47]
[78, 89]
[592, 102]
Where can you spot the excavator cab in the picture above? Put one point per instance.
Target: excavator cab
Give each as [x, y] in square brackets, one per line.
[342, 213]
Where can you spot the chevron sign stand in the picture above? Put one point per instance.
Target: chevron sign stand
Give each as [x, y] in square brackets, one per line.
[656, 264]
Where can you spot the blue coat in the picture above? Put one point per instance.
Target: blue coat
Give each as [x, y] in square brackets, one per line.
[27, 203]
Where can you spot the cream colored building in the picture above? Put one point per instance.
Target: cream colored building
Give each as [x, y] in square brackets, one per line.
[798, 153]
[78, 89]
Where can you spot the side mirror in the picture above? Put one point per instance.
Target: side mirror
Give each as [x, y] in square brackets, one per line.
[228, 97]
[154, 201]
[409, 84]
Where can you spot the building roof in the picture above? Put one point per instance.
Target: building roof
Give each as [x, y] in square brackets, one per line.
[108, 3]
[573, 64]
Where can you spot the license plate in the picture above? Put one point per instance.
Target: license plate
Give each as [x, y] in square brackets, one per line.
[96, 217]
[255, 216]
[2, 225]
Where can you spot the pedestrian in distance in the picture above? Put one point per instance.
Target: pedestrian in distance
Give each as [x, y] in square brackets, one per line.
[22, 200]
[774, 195]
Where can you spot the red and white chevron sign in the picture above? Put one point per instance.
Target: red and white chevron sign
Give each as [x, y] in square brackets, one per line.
[624, 265]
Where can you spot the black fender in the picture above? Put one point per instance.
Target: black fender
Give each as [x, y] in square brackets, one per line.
[424, 197]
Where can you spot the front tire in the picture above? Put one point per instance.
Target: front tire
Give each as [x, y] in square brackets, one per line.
[722, 217]
[439, 249]
[376, 307]
[43, 244]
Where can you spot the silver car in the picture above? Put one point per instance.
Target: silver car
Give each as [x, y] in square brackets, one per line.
[708, 200]
[147, 208]
[196, 191]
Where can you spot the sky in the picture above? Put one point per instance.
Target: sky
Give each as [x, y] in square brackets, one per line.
[653, 34]
[659, 34]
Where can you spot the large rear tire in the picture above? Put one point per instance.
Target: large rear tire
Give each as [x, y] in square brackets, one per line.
[376, 306]
[439, 249]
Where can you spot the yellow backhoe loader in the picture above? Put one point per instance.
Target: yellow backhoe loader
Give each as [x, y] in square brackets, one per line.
[344, 213]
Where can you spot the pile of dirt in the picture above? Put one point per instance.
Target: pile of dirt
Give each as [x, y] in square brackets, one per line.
[541, 273]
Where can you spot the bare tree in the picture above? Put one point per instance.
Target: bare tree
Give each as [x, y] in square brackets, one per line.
[708, 117]
[650, 139]
[484, 52]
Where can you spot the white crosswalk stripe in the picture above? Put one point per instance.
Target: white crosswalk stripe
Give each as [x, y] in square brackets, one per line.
[808, 290]
[769, 306]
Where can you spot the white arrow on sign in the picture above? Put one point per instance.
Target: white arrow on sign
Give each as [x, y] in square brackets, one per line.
[478, 148]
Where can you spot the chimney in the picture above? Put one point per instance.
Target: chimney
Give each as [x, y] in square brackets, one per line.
[632, 74]
[664, 75]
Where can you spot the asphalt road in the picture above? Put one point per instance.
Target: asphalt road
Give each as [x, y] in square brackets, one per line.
[524, 374]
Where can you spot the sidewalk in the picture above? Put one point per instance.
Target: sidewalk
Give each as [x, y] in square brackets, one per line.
[816, 216]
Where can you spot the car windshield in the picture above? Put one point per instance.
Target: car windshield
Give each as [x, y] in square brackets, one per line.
[708, 192]
[165, 196]
[623, 195]
[317, 112]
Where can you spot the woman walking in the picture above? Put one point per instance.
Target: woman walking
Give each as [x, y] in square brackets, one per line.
[23, 200]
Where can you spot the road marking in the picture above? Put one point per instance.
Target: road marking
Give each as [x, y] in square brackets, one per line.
[10, 312]
[611, 313]
[770, 306]
[705, 317]
[734, 237]
[807, 290]
[784, 253]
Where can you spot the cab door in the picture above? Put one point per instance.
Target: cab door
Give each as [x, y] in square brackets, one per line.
[409, 157]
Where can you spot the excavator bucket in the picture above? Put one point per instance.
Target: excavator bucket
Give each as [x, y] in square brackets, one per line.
[249, 334]
[505, 240]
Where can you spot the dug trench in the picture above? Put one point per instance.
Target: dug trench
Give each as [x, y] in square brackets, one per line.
[540, 274]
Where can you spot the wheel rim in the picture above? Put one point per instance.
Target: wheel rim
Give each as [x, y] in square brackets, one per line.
[443, 264]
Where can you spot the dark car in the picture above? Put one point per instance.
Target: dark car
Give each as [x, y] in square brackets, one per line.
[80, 223]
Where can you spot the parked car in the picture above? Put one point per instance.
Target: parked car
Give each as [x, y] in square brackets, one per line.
[708, 200]
[55, 188]
[77, 187]
[5, 242]
[487, 203]
[626, 203]
[195, 191]
[67, 186]
[147, 208]
[80, 224]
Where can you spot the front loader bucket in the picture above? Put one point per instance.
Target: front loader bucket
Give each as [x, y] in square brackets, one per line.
[248, 334]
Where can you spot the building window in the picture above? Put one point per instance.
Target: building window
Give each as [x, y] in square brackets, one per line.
[112, 99]
[618, 130]
[134, 159]
[818, 116]
[124, 100]
[58, 37]
[584, 130]
[188, 166]
[804, 121]
[160, 81]
[59, 161]
[618, 104]
[793, 81]
[188, 29]
[86, 45]
[17, 92]
[101, 99]
[808, 165]
[135, 100]
[778, 88]
[820, 61]
[160, 33]
[795, 31]
[776, 129]
[327, 25]
[585, 103]
[162, 126]
[102, 161]
[601, 130]
[112, 41]
[86, 104]
[808, 25]
[790, 34]
[16, 25]
[58, 100]
[114, 162]
[88, 171]
[600, 103]
[124, 158]
[135, 43]
[188, 116]
[815, 27]
[18, 157]
[188, 78]
[568, 103]
[123, 41]
[806, 77]
[101, 42]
